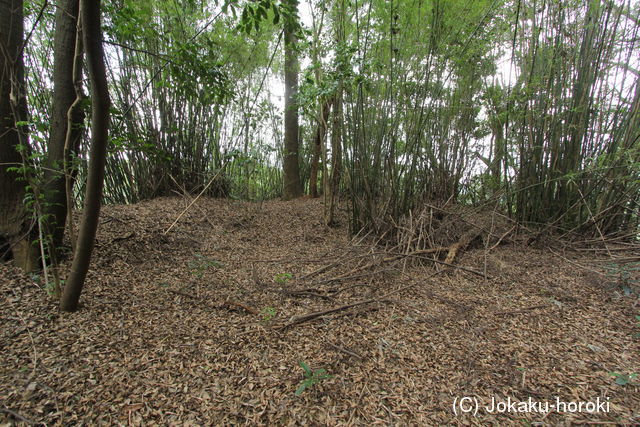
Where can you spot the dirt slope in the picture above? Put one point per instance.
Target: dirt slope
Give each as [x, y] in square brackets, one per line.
[186, 328]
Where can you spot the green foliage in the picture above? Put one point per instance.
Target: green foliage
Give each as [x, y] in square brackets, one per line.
[200, 65]
[30, 170]
[624, 379]
[423, 86]
[268, 313]
[311, 377]
[37, 204]
[200, 264]
[255, 13]
[53, 287]
[626, 275]
[283, 278]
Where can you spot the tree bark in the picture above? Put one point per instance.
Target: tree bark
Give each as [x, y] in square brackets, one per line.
[64, 95]
[336, 159]
[16, 223]
[318, 140]
[92, 32]
[336, 131]
[291, 167]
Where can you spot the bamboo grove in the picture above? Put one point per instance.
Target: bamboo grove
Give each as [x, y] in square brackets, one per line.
[531, 105]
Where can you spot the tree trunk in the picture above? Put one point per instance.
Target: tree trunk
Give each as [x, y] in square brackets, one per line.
[336, 158]
[336, 132]
[16, 224]
[291, 167]
[64, 95]
[318, 140]
[92, 32]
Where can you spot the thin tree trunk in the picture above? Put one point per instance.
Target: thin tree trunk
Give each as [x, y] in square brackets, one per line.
[318, 140]
[336, 131]
[75, 118]
[64, 94]
[92, 32]
[336, 158]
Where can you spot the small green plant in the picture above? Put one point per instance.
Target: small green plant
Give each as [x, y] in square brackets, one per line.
[268, 313]
[625, 274]
[36, 201]
[311, 377]
[283, 278]
[200, 264]
[53, 288]
[624, 379]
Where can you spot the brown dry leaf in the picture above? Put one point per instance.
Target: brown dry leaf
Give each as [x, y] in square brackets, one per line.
[156, 342]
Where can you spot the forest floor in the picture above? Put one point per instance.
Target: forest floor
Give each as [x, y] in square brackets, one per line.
[202, 325]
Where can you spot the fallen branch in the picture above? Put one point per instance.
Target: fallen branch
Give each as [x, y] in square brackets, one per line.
[322, 269]
[524, 310]
[464, 241]
[227, 304]
[502, 237]
[584, 267]
[459, 267]
[125, 237]
[307, 293]
[196, 199]
[296, 320]
[398, 256]
[17, 416]
[355, 276]
[183, 294]
[343, 350]
[236, 304]
[358, 285]
[187, 196]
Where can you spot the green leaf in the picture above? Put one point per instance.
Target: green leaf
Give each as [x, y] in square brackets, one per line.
[307, 370]
[262, 13]
[622, 380]
[301, 388]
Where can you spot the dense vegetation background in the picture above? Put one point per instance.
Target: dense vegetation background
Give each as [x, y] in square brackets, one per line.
[532, 105]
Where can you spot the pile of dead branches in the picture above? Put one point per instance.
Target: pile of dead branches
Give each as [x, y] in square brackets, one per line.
[435, 236]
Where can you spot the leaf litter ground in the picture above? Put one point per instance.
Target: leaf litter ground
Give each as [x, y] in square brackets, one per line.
[195, 327]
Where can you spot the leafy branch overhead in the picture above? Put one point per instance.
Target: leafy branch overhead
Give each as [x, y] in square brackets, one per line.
[255, 12]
